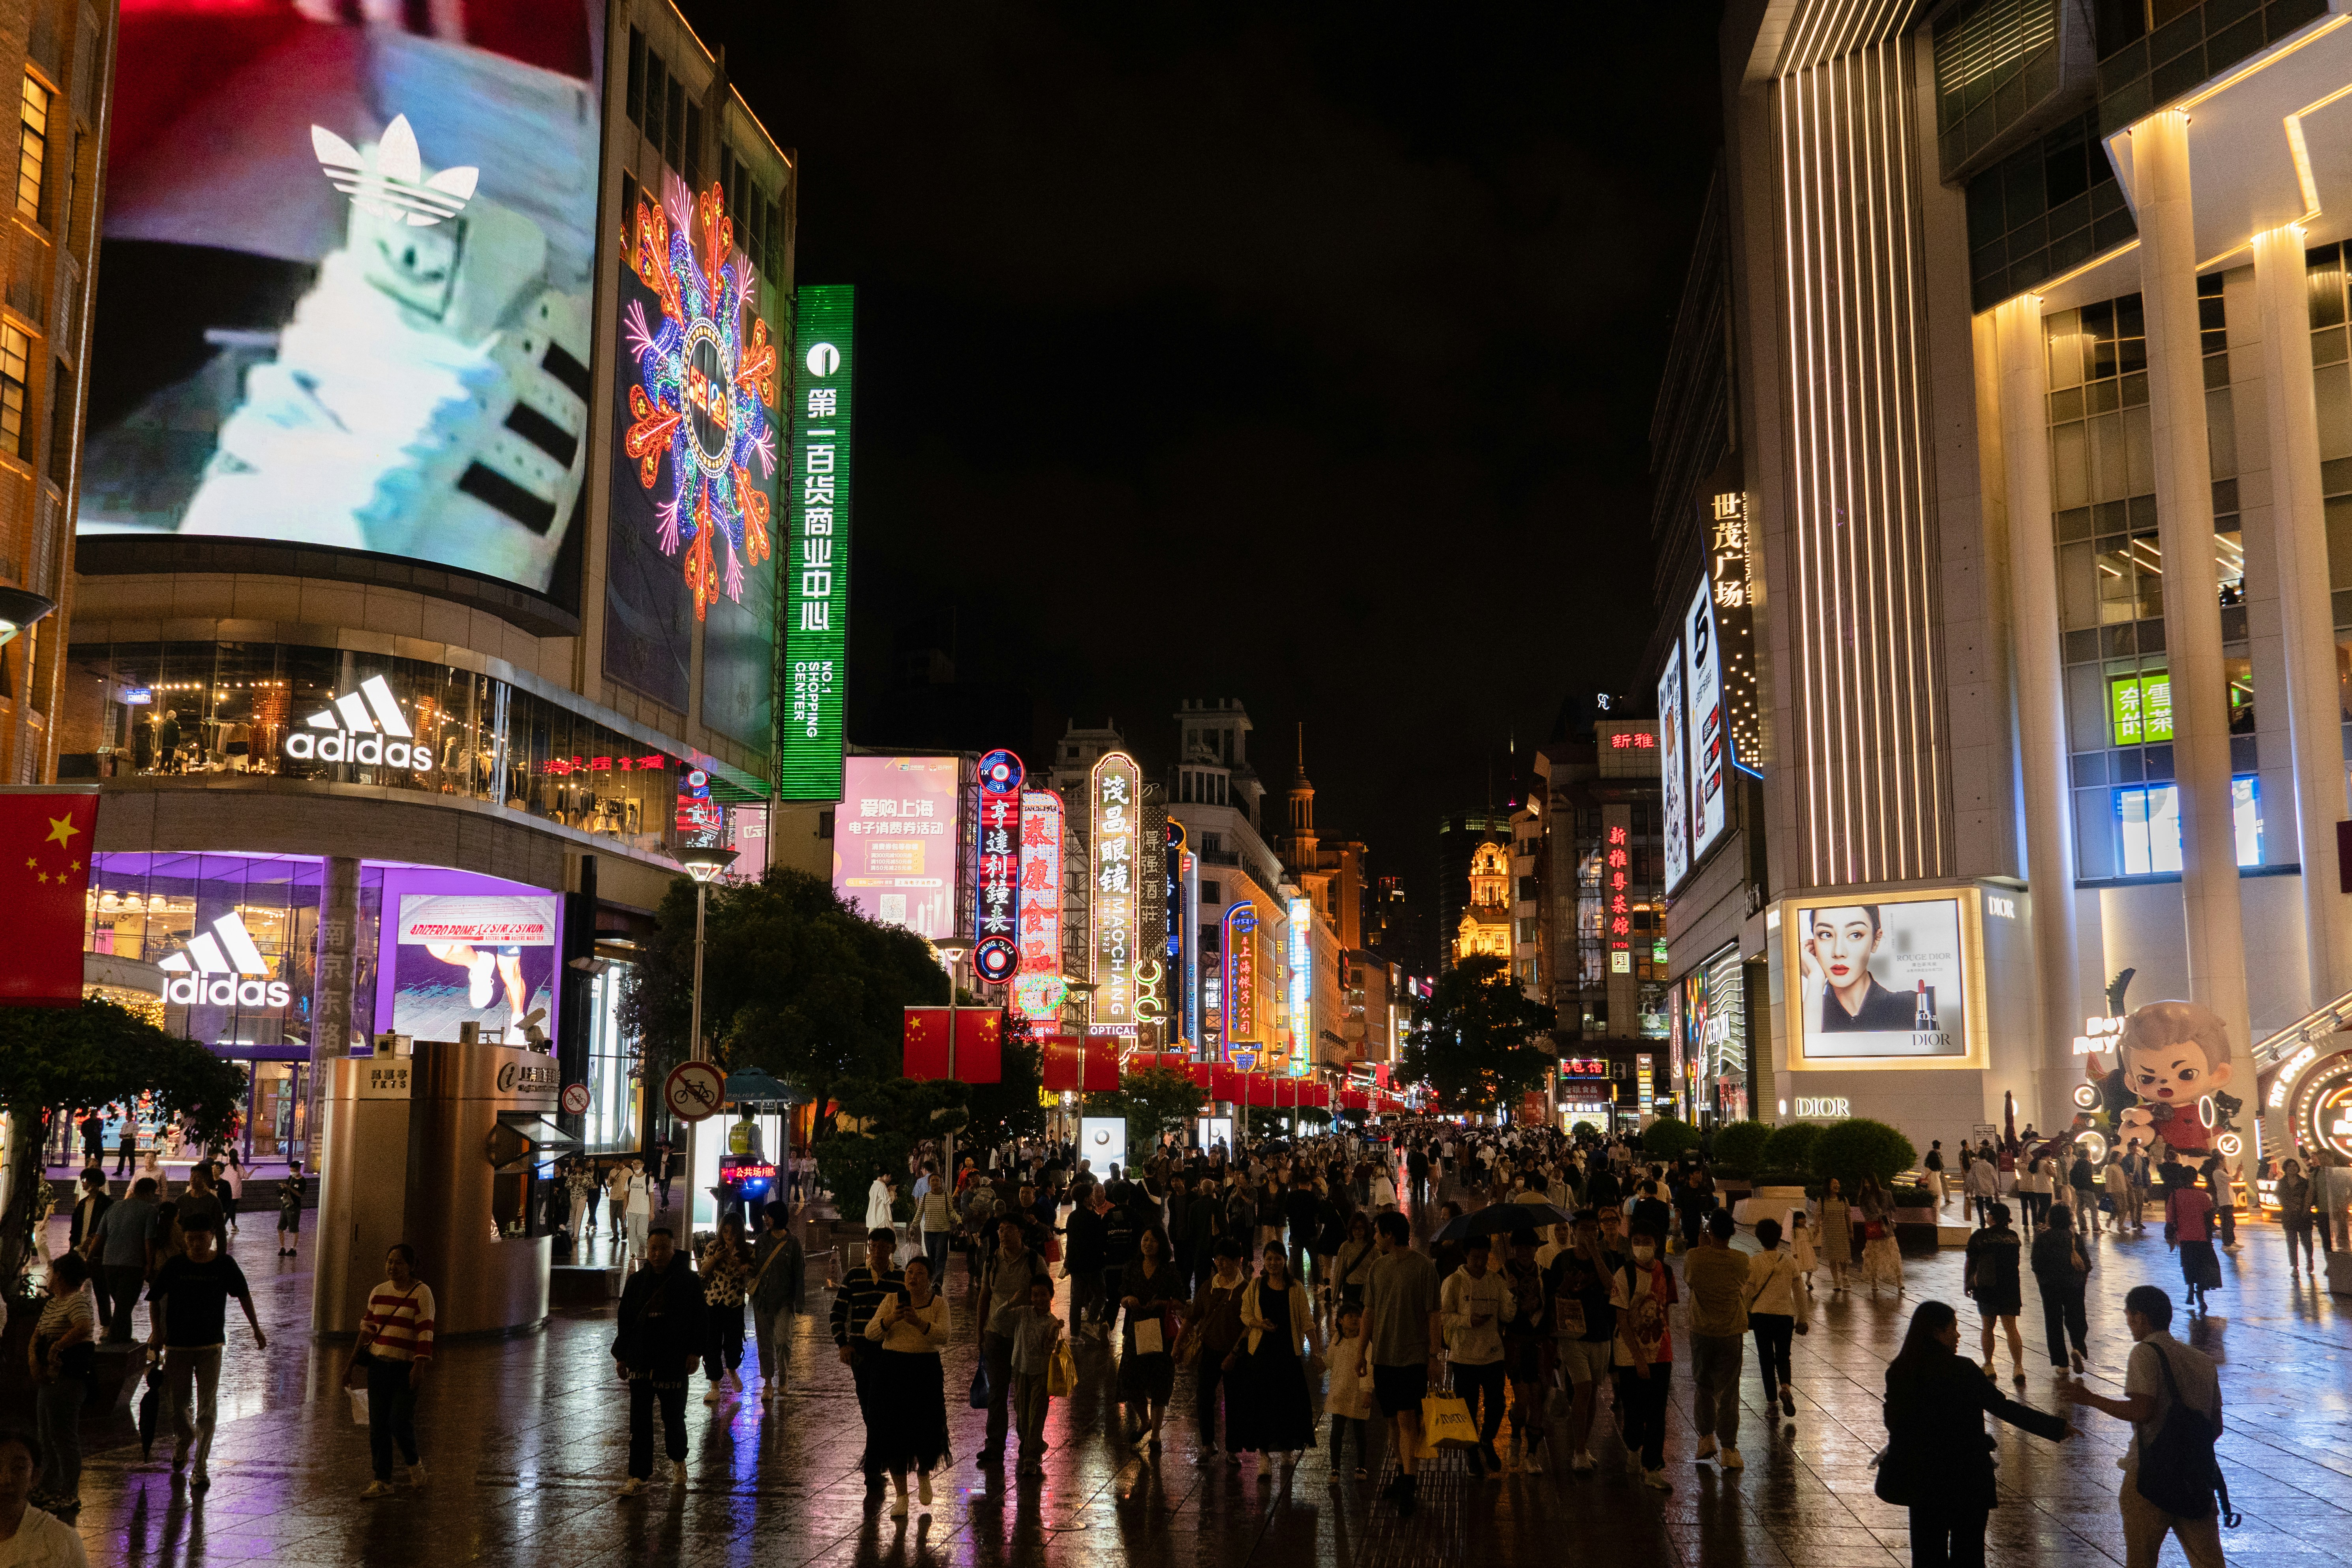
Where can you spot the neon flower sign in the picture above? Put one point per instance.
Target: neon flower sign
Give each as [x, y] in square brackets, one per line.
[702, 392]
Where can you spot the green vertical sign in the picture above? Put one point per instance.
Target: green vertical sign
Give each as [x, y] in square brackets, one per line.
[816, 596]
[2139, 707]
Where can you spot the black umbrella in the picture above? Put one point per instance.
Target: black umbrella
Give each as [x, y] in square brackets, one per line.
[1501, 1219]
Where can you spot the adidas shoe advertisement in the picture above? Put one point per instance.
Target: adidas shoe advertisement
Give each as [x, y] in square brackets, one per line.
[348, 288]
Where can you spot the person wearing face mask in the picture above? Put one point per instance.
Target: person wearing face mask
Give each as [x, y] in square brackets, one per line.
[1640, 1293]
[1477, 1303]
[1576, 1282]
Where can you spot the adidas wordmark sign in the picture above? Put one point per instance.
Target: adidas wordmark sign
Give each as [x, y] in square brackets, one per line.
[229, 970]
[364, 727]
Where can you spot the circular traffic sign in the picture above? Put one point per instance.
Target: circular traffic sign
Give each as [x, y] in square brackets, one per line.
[575, 1099]
[693, 1090]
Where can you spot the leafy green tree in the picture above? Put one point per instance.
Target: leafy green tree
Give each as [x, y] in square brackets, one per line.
[1155, 1099]
[1666, 1138]
[1853, 1149]
[1473, 1038]
[55, 1060]
[794, 982]
[881, 1121]
[1791, 1147]
[1740, 1145]
[1009, 1108]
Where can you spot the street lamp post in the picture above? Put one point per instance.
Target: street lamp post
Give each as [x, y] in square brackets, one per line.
[951, 951]
[703, 862]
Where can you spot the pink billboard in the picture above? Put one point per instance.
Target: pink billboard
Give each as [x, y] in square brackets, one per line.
[897, 850]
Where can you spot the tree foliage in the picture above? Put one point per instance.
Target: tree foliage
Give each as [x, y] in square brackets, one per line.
[1791, 1147]
[1666, 1138]
[1009, 1108]
[1473, 1038]
[55, 1060]
[1740, 1145]
[891, 1115]
[1854, 1149]
[1154, 1100]
[794, 982]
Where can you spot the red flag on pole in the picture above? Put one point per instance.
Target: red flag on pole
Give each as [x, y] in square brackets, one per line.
[1064, 1062]
[45, 845]
[978, 1044]
[1102, 1064]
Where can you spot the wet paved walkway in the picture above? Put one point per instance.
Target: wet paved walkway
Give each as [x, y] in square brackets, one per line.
[526, 1440]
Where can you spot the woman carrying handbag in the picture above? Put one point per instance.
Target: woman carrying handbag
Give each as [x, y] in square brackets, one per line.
[394, 1350]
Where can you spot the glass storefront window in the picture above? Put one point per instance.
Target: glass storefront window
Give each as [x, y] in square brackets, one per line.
[339, 716]
[615, 1070]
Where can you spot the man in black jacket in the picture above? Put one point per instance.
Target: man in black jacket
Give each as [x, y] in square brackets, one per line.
[860, 1294]
[1123, 1222]
[91, 1205]
[657, 1343]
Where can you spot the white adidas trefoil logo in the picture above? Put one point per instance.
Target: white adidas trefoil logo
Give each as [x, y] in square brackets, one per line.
[396, 188]
[365, 727]
[238, 976]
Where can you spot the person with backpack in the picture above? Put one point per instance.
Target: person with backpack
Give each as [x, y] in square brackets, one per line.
[1013, 1268]
[1938, 1462]
[2172, 1397]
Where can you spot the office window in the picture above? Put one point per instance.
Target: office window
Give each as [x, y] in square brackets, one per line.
[2147, 822]
[15, 350]
[61, 425]
[1213, 892]
[636, 101]
[33, 151]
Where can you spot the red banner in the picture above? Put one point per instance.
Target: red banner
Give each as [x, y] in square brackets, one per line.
[45, 844]
[1352, 1099]
[1064, 1061]
[978, 1044]
[1102, 1064]
[1203, 1075]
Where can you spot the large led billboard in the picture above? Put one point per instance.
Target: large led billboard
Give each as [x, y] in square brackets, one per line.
[694, 464]
[349, 272]
[458, 948]
[1884, 979]
[1704, 734]
[1674, 771]
[897, 850]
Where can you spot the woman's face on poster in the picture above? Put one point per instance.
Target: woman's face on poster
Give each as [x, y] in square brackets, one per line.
[1842, 939]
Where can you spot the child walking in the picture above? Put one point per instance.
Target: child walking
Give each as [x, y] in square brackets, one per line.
[1801, 1247]
[1350, 1400]
[1035, 1332]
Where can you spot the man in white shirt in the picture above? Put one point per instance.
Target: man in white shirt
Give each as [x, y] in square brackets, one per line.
[637, 1212]
[29, 1536]
[2148, 1400]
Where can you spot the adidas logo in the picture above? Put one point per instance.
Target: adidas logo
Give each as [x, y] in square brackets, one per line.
[364, 727]
[238, 976]
[396, 188]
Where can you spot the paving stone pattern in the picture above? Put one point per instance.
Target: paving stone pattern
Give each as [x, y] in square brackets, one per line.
[526, 1442]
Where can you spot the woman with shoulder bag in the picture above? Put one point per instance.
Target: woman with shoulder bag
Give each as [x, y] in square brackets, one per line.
[60, 1356]
[1882, 1259]
[779, 1278]
[910, 1426]
[1779, 1306]
[1268, 1407]
[394, 1347]
[1938, 1459]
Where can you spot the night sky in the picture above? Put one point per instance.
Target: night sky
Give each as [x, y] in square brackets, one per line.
[1304, 355]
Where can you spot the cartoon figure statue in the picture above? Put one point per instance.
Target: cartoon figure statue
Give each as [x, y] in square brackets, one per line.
[2174, 1062]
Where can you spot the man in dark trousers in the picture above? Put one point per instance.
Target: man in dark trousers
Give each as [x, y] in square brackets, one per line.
[1121, 1225]
[1416, 1165]
[93, 1136]
[861, 1294]
[655, 1345]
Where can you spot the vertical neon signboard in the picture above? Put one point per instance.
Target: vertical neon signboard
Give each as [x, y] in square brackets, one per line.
[1116, 794]
[1241, 976]
[1302, 986]
[1193, 1027]
[996, 889]
[816, 587]
[1037, 988]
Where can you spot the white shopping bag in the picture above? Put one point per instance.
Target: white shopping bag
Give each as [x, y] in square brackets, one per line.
[1148, 1339]
[359, 1407]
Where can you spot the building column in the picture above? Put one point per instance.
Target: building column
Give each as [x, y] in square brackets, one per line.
[2022, 366]
[2192, 609]
[2299, 550]
[330, 1011]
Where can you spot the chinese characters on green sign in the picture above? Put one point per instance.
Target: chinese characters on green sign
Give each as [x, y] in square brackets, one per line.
[2141, 707]
[816, 589]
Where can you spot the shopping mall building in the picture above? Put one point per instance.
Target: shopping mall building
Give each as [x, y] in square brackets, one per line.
[423, 590]
[2008, 652]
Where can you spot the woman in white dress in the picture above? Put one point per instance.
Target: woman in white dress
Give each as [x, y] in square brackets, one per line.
[879, 1199]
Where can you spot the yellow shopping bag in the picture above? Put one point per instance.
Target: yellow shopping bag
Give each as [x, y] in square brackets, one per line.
[1445, 1423]
[1062, 1372]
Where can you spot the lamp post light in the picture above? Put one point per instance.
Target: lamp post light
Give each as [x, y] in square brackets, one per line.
[952, 951]
[703, 862]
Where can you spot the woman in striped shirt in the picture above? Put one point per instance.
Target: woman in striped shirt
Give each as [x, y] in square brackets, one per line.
[395, 1346]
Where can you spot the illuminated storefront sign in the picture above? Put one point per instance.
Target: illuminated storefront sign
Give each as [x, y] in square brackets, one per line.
[364, 727]
[1302, 985]
[1241, 975]
[1672, 769]
[1703, 734]
[996, 887]
[1617, 910]
[816, 596]
[1037, 988]
[2141, 707]
[1117, 796]
[895, 845]
[230, 970]
[1735, 620]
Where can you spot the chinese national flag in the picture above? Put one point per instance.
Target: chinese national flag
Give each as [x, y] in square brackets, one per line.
[1224, 1083]
[1064, 1062]
[45, 844]
[978, 1044]
[1102, 1064]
